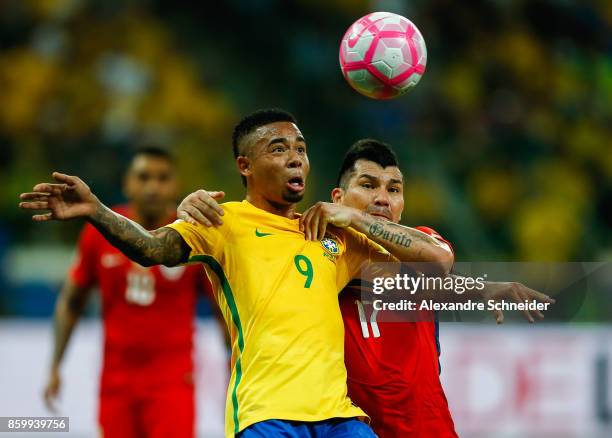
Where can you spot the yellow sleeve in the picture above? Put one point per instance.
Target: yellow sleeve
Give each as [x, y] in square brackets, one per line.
[201, 239]
[360, 251]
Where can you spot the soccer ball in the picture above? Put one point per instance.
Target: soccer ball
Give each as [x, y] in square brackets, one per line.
[383, 55]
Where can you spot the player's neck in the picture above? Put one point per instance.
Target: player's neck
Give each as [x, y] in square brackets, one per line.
[285, 210]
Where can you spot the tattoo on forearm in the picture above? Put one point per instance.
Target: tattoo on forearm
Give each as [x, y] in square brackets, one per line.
[162, 246]
[390, 233]
[376, 229]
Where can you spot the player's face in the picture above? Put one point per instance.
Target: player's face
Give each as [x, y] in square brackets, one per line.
[151, 186]
[276, 163]
[377, 191]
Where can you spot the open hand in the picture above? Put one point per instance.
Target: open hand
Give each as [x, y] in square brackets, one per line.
[314, 221]
[52, 390]
[69, 198]
[517, 292]
[201, 206]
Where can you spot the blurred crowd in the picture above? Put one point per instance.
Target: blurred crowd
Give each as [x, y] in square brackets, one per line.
[506, 143]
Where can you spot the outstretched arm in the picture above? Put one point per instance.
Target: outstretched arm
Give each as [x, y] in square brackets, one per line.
[405, 243]
[163, 246]
[71, 198]
[491, 291]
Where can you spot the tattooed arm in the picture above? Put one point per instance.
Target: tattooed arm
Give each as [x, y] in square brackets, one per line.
[163, 246]
[71, 198]
[405, 243]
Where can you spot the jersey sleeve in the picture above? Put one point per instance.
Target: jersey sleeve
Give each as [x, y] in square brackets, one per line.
[433, 233]
[201, 239]
[83, 271]
[360, 251]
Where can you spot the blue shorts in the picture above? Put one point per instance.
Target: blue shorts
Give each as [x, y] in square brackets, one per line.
[335, 427]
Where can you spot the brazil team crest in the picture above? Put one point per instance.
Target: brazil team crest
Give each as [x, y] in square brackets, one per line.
[330, 245]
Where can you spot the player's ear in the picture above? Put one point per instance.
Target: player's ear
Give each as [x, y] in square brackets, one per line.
[337, 194]
[244, 165]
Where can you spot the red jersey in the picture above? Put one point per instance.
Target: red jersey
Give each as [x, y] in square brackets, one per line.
[393, 370]
[148, 313]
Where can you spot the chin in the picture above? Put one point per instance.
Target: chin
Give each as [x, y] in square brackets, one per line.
[293, 197]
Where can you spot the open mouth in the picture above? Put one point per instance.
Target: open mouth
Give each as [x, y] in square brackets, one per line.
[296, 184]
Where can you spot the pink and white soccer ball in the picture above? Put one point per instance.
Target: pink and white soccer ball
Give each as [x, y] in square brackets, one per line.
[383, 55]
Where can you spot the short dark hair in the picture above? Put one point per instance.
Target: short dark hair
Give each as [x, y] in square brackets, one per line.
[153, 150]
[255, 120]
[365, 149]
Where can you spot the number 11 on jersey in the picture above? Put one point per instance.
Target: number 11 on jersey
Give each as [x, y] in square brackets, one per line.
[364, 322]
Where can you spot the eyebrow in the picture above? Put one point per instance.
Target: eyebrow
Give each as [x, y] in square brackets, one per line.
[392, 180]
[365, 175]
[277, 140]
[285, 140]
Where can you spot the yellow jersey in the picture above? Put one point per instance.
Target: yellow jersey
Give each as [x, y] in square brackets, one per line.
[279, 296]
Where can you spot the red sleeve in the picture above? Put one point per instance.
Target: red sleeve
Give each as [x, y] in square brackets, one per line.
[83, 270]
[433, 233]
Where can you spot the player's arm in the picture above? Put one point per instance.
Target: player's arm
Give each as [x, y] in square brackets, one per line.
[68, 309]
[71, 198]
[496, 291]
[511, 291]
[405, 243]
[491, 290]
[163, 246]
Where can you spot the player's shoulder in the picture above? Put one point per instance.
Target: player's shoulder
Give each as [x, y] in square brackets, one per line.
[233, 207]
[353, 240]
[231, 211]
[349, 235]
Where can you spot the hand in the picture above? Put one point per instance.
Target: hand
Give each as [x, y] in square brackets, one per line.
[52, 390]
[69, 198]
[314, 221]
[517, 292]
[201, 206]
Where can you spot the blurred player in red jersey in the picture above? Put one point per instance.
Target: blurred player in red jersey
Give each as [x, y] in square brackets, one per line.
[146, 387]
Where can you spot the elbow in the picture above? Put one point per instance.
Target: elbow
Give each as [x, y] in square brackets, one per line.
[442, 262]
[447, 261]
